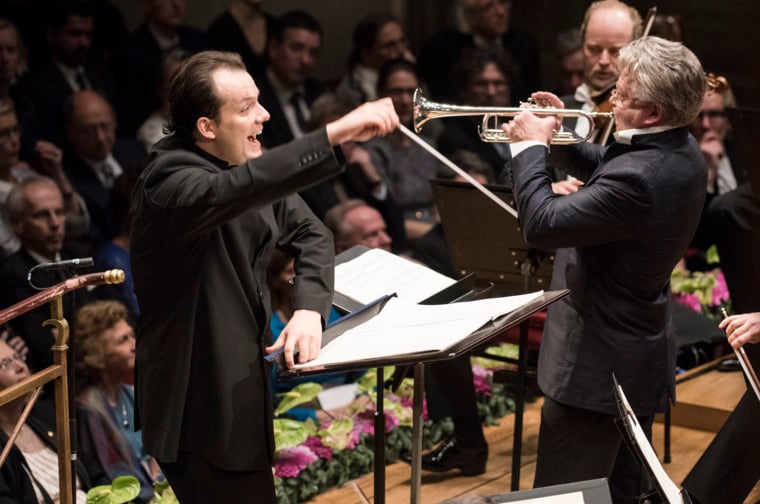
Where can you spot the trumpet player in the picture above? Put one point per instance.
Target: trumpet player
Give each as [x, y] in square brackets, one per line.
[618, 238]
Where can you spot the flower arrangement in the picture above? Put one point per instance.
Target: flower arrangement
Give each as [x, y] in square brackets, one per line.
[309, 459]
[705, 292]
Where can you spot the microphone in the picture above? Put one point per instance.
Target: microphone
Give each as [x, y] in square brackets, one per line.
[80, 262]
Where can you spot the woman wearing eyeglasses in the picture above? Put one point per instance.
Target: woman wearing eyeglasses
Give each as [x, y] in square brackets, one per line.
[30, 475]
[105, 356]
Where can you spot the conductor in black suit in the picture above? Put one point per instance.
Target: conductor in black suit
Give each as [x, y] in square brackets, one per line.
[617, 238]
[287, 86]
[206, 214]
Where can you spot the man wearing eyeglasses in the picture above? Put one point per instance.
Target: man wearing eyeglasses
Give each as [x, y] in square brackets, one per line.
[617, 242]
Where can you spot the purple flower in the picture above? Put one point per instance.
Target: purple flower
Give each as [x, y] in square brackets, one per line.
[314, 443]
[720, 292]
[289, 462]
[688, 300]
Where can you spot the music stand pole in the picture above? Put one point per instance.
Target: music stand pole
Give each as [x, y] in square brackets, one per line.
[417, 425]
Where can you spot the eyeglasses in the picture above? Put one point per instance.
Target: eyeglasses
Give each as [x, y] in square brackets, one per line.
[8, 361]
[711, 115]
[622, 98]
[7, 133]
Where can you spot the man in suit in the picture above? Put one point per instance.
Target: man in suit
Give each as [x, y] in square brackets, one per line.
[96, 158]
[38, 218]
[287, 86]
[618, 239]
[70, 68]
[206, 214]
[485, 24]
[162, 31]
[608, 26]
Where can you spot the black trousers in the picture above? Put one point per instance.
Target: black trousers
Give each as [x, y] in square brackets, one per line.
[576, 444]
[194, 480]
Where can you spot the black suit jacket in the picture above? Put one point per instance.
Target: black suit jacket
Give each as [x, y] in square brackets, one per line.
[439, 55]
[277, 130]
[143, 70]
[202, 237]
[131, 155]
[13, 278]
[50, 90]
[618, 239]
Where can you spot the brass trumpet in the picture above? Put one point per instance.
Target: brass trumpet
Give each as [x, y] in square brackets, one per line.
[490, 130]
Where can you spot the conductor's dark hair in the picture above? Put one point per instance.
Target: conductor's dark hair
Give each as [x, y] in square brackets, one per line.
[192, 93]
[294, 19]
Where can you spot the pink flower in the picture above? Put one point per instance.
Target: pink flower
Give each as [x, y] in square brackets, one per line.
[720, 292]
[688, 300]
[480, 377]
[289, 462]
[314, 443]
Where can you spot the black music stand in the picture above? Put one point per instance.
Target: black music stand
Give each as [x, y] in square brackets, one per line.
[503, 257]
[745, 127]
[465, 345]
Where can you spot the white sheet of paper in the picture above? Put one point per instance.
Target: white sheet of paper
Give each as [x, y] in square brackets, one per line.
[672, 492]
[403, 328]
[376, 273]
[570, 498]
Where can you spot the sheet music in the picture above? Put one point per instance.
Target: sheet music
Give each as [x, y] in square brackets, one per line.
[403, 328]
[565, 498]
[377, 272]
[671, 491]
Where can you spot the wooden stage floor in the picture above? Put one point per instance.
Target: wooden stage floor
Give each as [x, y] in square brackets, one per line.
[687, 444]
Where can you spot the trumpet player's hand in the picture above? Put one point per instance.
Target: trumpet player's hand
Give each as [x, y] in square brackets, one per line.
[528, 126]
[546, 99]
[565, 187]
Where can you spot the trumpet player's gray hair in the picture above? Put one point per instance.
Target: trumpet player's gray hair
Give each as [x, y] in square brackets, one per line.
[666, 73]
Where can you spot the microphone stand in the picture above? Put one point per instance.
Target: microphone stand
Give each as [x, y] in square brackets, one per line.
[69, 272]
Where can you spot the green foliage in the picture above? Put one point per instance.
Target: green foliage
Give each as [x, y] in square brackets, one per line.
[298, 395]
[368, 381]
[338, 434]
[289, 433]
[122, 489]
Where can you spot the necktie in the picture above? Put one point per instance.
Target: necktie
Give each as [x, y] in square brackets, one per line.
[81, 80]
[295, 100]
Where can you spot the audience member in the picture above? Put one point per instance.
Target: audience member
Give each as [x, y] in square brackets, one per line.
[485, 24]
[12, 171]
[105, 356]
[569, 54]
[36, 210]
[162, 30]
[353, 222]
[69, 69]
[482, 78]
[152, 130]
[115, 253]
[405, 166]
[30, 474]
[377, 38]
[287, 86]
[243, 28]
[13, 66]
[617, 242]
[608, 26]
[96, 158]
[360, 180]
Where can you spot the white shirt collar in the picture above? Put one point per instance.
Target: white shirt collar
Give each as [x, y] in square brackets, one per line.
[626, 136]
[41, 258]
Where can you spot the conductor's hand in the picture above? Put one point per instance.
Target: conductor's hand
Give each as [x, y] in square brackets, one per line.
[741, 329]
[368, 120]
[303, 330]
